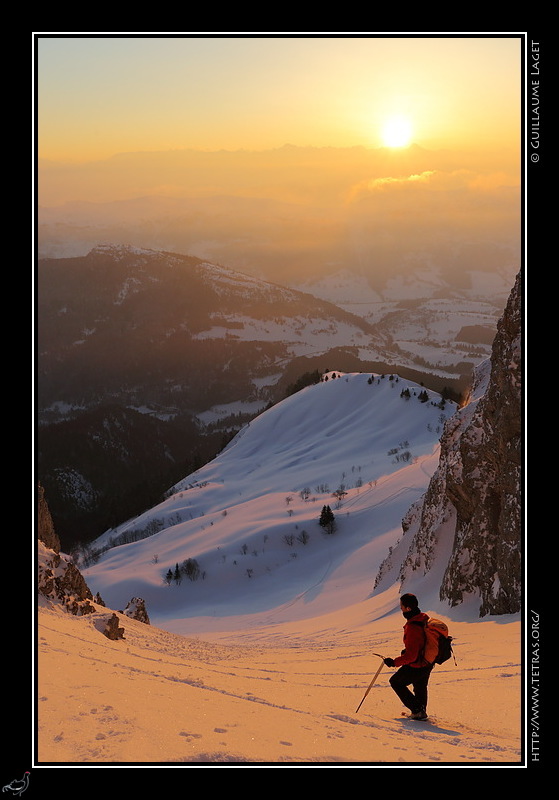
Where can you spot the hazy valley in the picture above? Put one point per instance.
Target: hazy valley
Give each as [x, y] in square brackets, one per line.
[148, 362]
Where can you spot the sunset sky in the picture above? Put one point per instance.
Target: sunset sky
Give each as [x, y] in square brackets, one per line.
[100, 95]
[202, 145]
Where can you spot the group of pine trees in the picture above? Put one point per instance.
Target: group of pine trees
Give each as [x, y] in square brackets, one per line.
[327, 521]
[189, 568]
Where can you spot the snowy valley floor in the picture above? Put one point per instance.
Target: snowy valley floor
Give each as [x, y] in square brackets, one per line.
[277, 696]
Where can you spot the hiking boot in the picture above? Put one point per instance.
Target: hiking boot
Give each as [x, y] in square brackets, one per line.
[421, 714]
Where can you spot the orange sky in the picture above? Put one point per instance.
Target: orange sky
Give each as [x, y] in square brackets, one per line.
[99, 95]
[268, 152]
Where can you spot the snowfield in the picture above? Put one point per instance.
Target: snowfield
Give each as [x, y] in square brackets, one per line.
[283, 694]
[265, 657]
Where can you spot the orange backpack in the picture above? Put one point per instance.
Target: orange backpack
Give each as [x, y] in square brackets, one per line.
[438, 642]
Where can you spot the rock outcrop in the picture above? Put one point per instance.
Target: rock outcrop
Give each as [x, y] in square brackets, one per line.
[466, 530]
[58, 579]
[60, 583]
[108, 625]
[136, 609]
[45, 525]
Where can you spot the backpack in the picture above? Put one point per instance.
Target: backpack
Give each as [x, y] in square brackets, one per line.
[438, 642]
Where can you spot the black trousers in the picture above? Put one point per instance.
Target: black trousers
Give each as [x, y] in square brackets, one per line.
[418, 677]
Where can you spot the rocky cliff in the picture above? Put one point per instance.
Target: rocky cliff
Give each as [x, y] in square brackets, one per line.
[59, 581]
[61, 584]
[466, 530]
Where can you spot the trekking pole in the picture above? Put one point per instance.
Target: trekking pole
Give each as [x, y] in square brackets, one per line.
[370, 686]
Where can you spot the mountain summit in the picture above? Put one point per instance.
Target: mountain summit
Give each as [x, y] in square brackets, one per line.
[243, 534]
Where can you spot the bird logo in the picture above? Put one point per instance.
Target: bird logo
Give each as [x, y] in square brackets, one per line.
[17, 787]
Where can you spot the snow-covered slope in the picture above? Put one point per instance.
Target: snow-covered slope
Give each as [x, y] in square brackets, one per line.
[250, 518]
[287, 698]
[265, 658]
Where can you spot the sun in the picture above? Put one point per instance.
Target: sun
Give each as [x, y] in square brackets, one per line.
[397, 132]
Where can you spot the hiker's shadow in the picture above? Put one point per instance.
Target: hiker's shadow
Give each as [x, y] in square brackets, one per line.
[429, 725]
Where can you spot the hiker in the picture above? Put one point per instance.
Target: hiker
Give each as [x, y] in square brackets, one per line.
[413, 668]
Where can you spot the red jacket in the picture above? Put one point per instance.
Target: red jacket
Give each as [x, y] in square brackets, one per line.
[414, 643]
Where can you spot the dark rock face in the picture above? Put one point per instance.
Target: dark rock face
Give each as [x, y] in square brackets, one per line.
[486, 495]
[468, 524]
[59, 580]
[46, 531]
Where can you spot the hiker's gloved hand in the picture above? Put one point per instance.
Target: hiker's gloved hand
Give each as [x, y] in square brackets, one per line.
[389, 662]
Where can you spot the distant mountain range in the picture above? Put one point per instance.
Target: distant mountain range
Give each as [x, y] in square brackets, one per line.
[295, 212]
[172, 334]
[148, 362]
[134, 346]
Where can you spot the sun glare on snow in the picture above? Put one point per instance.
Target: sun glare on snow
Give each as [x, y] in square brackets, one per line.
[397, 132]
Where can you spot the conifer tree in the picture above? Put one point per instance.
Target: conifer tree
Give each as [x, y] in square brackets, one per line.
[327, 520]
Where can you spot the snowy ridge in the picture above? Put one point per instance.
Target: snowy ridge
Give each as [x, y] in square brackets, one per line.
[119, 250]
[225, 280]
[251, 516]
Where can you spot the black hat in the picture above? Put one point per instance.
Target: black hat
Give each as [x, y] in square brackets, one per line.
[409, 600]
